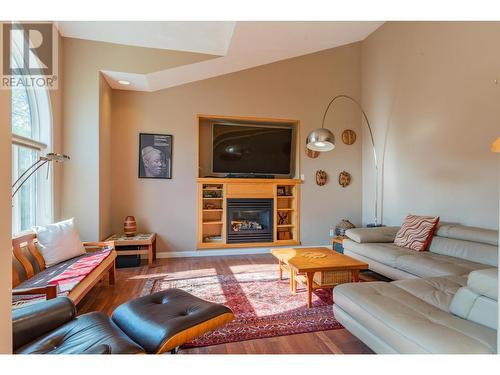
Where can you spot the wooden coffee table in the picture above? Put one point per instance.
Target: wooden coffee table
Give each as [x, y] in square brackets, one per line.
[317, 267]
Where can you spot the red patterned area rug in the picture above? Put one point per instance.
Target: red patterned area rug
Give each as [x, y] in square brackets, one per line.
[263, 305]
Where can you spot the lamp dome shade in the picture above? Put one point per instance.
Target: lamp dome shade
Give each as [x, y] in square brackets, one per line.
[321, 140]
[495, 146]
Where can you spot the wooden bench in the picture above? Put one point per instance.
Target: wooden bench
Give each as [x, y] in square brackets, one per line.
[27, 261]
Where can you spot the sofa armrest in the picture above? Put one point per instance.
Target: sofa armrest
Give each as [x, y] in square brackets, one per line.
[50, 291]
[96, 246]
[33, 321]
[368, 235]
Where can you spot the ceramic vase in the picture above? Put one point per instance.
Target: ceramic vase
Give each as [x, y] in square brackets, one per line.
[130, 226]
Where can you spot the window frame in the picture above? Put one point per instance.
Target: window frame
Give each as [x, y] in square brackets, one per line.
[41, 142]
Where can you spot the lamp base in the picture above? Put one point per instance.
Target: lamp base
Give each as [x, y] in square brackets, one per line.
[372, 225]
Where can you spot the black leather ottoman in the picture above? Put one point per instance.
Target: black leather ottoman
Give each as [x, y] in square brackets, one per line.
[156, 323]
[163, 321]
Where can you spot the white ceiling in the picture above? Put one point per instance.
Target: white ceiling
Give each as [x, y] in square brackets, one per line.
[209, 37]
[240, 45]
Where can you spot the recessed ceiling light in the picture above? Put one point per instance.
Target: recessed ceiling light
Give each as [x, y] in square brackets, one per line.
[123, 82]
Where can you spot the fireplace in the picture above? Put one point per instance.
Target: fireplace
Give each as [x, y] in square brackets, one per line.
[249, 220]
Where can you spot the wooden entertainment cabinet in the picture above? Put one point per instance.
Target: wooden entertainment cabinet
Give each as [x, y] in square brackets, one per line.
[213, 194]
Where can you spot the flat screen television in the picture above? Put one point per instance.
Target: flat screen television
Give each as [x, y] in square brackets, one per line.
[247, 149]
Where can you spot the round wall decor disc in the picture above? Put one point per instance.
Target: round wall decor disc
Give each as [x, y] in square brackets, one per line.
[348, 136]
[344, 179]
[312, 154]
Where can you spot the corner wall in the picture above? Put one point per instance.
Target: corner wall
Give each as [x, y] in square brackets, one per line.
[298, 88]
[86, 175]
[105, 93]
[429, 91]
[6, 224]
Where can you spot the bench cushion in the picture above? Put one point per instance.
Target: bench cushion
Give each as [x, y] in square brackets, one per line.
[66, 275]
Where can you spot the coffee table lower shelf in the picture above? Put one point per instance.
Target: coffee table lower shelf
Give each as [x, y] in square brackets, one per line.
[327, 280]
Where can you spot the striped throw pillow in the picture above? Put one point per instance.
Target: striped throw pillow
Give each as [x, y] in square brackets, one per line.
[416, 232]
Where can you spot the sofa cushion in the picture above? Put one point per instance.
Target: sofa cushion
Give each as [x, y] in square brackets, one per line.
[386, 253]
[59, 242]
[379, 234]
[484, 282]
[473, 251]
[473, 234]
[416, 232]
[474, 307]
[428, 264]
[436, 291]
[409, 324]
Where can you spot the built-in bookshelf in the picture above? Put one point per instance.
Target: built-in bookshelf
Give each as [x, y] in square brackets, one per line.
[212, 213]
[287, 219]
[212, 209]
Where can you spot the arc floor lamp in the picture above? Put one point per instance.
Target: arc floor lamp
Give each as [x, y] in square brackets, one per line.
[323, 140]
[58, 158]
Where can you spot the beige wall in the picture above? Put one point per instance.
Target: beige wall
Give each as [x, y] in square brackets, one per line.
[298, 88]
[83, 60]
[104, 158]
[57, 133]
[429, 91]
[5, 223]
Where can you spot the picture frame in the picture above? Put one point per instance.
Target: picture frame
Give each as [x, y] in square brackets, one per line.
[155, 156]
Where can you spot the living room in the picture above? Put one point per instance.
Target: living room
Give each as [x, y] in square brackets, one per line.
[251, 187]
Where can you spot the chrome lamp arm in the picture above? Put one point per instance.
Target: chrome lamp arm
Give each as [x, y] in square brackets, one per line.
[34, 167]
[312, 139]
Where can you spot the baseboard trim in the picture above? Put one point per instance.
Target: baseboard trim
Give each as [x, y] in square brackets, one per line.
[219, 252]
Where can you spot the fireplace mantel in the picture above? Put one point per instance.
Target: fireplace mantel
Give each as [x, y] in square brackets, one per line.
[213, 195]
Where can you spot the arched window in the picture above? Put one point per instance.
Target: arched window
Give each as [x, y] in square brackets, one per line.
[31, 138]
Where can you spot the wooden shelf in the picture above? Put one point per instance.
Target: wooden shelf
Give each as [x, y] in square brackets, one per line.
[212, 221]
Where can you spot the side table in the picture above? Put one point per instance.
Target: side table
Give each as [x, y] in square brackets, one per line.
[337, 244]
[145, 242]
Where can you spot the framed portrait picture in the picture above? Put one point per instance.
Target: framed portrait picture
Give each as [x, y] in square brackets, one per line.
[155, 156]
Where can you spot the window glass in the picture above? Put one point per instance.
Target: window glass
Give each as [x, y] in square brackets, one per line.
[25, 203]
[21, 113]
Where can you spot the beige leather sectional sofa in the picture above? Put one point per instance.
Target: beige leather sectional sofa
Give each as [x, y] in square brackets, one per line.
[442, 301]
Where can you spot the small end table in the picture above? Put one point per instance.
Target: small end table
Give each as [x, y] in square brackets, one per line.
[338, 244]
[145, 242]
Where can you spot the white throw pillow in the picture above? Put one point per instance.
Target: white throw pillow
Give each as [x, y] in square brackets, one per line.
[59, 242]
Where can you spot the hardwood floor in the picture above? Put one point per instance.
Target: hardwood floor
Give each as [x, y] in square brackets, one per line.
[130, 281]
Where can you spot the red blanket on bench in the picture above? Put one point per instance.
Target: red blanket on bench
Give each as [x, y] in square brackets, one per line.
[78, 270]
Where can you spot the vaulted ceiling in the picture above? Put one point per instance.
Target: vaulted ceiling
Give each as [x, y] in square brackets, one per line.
[229, 46]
